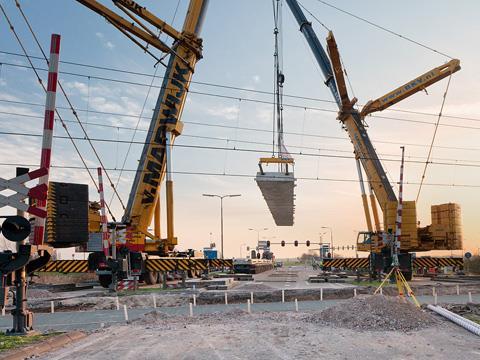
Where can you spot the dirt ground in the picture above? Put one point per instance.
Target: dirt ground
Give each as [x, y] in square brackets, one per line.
[238, 335]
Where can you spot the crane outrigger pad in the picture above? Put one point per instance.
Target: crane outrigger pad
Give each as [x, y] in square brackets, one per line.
[277, 189]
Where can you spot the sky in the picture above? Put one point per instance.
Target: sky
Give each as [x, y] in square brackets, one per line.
[226, 135]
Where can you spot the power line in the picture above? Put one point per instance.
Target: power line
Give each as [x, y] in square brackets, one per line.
[220, 126]
[385, 29]
[223, 139]
[229, 87]
[267, 102]
[248, 175]
[102, 140]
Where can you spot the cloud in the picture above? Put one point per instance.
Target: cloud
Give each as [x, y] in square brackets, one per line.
[226, 112]
[106, 43]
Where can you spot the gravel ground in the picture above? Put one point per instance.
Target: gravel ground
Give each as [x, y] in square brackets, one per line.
[286, 335]
[377, 313]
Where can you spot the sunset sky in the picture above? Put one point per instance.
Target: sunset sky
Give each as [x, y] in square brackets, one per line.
[226, 135]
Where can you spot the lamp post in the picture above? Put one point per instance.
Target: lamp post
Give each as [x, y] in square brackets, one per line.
[331, 236]
[221, 197]
[258, 233]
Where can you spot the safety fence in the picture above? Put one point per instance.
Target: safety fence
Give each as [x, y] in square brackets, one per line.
[159, 265]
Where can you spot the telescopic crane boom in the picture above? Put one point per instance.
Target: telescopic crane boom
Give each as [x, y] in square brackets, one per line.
[155, 161]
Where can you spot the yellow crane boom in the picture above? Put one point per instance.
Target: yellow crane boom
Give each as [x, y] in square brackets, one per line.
[155, 162]
[418, 84]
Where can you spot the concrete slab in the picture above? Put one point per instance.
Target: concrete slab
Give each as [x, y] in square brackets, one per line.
[277, 190]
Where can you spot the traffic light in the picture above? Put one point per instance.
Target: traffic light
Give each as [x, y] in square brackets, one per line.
[268, 243]
[283, 243]
[308, 243]
[295, 243]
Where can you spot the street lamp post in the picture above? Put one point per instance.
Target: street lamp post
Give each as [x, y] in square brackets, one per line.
[331, 236]
[221, 197]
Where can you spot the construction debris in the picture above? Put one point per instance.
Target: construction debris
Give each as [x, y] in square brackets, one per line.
[375, 313]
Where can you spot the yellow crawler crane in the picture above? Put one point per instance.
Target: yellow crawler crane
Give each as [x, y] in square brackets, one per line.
[445, 232]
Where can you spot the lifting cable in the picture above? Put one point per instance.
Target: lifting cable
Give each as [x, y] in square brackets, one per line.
[433, 138]
[71, 106]
[39, 79]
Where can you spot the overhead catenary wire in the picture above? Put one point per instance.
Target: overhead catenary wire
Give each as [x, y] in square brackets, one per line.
[69, 104]
[211, 147]
[301, 146]
[228, 87]
[220, 126]
[251, 175]
[433, 137]
[39, 79]
[300, 106]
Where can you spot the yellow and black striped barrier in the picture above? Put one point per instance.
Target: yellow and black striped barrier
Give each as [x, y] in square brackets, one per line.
[162, 264]
[363, 263]
[66, 266]
[430, 262]
[348, 263]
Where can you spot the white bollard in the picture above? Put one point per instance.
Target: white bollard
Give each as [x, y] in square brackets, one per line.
[435, 299]
[194, 300]
[248, 306]
[154, 301]
[433, 291]
[226, 299]
[470, 297]
[52, 307]
[458, 289]
[354, 292]
[296, 305]
[125, 312]
[191, 309]
[381, 291]
[321, 294]
[251, 297]
[3, 311]
[117, 303]
[283, 296]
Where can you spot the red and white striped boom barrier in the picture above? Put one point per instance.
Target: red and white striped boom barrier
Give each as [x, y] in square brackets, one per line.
[45, 159]
[103, 216]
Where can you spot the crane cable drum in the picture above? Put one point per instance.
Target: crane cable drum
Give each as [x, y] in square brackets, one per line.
[277, 187]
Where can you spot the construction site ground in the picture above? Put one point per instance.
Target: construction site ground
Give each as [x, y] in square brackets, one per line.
[235, 334]
[273, 329]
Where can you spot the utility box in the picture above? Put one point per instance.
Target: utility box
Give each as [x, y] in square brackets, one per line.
[210, 254]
